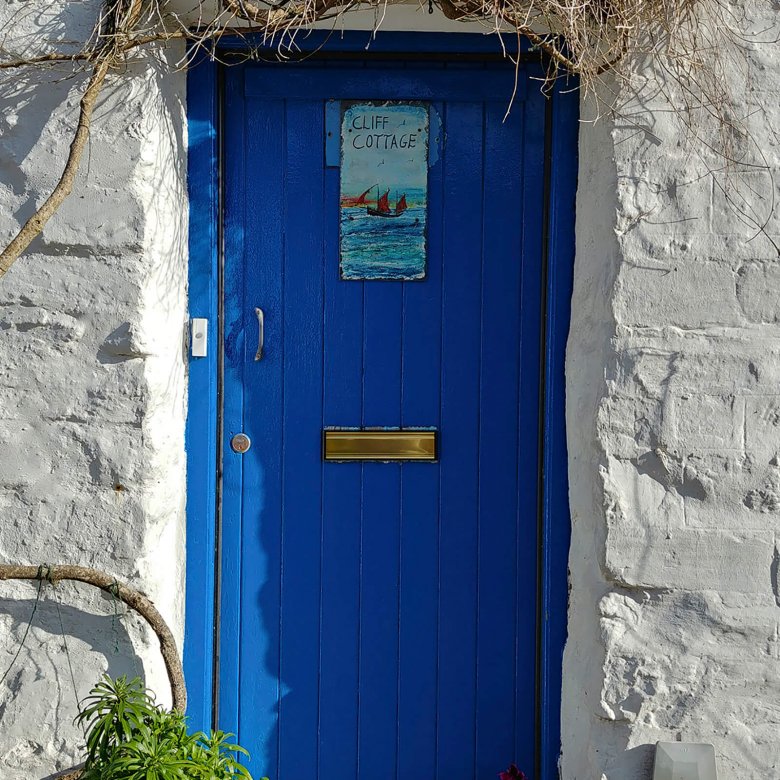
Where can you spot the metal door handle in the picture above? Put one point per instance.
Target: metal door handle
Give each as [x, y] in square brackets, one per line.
[260, 333]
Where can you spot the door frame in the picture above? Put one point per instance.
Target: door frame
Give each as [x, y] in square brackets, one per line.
[203, 428]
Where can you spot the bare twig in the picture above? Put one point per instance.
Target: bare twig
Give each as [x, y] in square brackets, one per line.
[74, 773]
[45, 59]
[90, 54]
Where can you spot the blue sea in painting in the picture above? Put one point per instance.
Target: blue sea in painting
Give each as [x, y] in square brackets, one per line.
[384, 247]
[383, 190]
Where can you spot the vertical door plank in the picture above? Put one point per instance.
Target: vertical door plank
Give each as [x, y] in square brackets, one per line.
[261, 537]
[302, 423]
[382, 364]
[531, 315]
[380, 537]
[460, 440]
[343, 356]
[342, 497]
[421, 405]
[499, 632]
[233, 403]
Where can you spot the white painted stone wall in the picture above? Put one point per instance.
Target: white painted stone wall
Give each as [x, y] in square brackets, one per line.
[92, 379]
[673, 398]
[673, 402]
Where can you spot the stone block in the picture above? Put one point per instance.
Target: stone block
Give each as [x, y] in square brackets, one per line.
[745, 202]
[762, 426]
[696, 666]
[742, 493]
[721, 367]
[643, 371]
[757, 291]
[629, 426]
[97, 220]
[656, 362]
[660, 291]
[690, 559]
[643, 493]
[698, 422]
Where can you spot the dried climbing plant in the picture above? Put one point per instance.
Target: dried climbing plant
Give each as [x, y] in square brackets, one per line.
[696, 44]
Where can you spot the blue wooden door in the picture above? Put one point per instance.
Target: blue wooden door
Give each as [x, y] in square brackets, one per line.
[379, 620]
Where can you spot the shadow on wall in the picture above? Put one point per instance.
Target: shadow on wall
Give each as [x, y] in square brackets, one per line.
[87, 635]
[38, 115]
[25, 110]
[635, 762]
[105, 635]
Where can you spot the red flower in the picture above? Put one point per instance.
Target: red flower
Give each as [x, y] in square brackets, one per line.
[513, 773]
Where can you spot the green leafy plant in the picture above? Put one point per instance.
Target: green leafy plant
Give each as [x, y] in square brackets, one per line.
[130, 737]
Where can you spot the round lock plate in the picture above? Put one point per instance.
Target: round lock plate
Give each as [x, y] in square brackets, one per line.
[240, 443]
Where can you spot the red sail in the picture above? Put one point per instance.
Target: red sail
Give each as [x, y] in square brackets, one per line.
[361, 199]
[383, 204]
[401, 206]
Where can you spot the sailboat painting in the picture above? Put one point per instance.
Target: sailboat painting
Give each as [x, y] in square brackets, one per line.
[384, 191]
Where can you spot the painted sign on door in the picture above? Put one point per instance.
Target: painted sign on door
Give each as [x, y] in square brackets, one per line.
[384, 179]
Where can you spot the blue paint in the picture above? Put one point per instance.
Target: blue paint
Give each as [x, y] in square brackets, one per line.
[503, 543]
[435, 136]
[375, 83]
[315, 588]
[527, 718]
[226, 702]
[201, 431]
[333, 133]
[555, 508]
[369, 44]
[341, 510]
[377, 620]
[418, 601]
[300, 468]
[459, 490]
